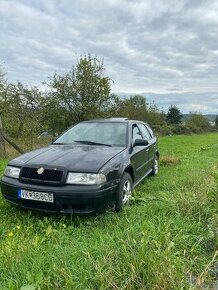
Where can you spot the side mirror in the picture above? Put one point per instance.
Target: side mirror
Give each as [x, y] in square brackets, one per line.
[140, 142]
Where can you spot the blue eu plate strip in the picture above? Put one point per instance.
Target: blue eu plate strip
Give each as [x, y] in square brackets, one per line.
[19, 193]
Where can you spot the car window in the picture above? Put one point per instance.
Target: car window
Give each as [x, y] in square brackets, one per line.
[150, 131]
[110, 133]
[145, 133]
[136, 133]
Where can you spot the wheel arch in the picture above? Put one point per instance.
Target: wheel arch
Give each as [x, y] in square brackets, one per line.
[130, 171]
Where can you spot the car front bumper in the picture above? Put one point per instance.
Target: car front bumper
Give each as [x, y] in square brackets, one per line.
[67, 198]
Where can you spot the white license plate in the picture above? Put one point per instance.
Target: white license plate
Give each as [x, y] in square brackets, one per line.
[35, 195]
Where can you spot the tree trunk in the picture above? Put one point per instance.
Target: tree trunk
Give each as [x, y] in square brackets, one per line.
[2, 141]
[13, 144]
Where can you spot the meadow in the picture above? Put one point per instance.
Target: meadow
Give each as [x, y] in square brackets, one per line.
[166, 239]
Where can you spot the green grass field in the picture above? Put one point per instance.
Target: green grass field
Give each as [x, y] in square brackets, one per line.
[166, 239]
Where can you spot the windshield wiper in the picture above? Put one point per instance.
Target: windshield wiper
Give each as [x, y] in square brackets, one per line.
[92, 143]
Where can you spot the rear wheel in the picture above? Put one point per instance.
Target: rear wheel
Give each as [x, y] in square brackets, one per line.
[125, 192]
[155, 167]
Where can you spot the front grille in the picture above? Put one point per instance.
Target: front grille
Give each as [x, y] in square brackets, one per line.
[49, 175]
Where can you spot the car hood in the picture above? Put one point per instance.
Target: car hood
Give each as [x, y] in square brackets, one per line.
[77, 158]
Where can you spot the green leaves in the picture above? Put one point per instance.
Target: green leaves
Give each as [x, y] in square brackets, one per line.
[83, 91]
[198, 123]
[174, 115]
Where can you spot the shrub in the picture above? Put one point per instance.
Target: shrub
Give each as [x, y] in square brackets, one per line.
[181, 129]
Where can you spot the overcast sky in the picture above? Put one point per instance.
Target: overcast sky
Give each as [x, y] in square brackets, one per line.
[166, 49]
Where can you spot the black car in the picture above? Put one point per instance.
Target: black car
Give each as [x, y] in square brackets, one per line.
[93, 165]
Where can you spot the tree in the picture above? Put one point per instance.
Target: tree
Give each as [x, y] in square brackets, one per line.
[216, 121]
[156, 117]
[17, 107]
[133, 108]
[197, 120]
[54, 118]
[174, 115]
[20, 109]
[2, 89]
[84, 91]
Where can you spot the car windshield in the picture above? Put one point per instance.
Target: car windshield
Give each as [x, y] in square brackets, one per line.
[96, 133]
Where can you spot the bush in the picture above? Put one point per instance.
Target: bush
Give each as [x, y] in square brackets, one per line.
[195, 129]
[168, 130]
[181, 129]
[198, 123]
[164, 130]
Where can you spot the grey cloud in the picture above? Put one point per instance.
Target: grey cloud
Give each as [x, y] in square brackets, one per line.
[187, 102]
[157, 46]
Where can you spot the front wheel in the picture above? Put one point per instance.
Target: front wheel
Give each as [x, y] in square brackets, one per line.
[125, 192]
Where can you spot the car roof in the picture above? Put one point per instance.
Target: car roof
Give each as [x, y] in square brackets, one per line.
[108, 120]
[114, 120]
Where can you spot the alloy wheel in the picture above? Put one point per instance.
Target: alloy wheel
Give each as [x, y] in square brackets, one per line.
[127, 192]
[156, 166]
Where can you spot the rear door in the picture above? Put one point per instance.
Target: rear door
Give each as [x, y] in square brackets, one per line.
[139, 154]
[147, 134]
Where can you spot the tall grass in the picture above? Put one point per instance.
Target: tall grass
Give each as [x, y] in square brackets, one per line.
[166, 239]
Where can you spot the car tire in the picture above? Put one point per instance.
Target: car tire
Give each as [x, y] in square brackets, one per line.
[155, 167]
[125, 192]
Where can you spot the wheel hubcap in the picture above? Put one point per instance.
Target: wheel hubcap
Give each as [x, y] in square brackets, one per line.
[127, 192]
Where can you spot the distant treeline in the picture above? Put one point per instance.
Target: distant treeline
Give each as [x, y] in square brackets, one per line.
[210, 117]
[82, 93]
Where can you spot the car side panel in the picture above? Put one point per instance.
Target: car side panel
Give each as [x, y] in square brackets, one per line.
[138, 160]
[152, 146]
[152, 151]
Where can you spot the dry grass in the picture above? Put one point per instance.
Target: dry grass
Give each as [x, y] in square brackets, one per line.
[170, 161]
[26, 145]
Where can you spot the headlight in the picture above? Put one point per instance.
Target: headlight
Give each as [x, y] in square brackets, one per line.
[85, 178]
[11, 171]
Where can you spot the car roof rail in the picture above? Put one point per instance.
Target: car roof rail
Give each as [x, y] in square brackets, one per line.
[119, 119]
[107, 120]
